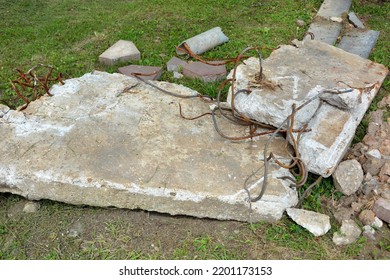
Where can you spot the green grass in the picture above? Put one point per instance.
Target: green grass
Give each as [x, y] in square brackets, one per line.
[72, 34]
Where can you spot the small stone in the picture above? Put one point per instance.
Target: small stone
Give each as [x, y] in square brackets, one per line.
[205, 72]
[385, 172]
[3, 110]
[370, 140]
[375, 153]
[31, 207]
[385, 194]
[367, 217]
[343, 214]
[377, 223]
[76, 229]
[349, 233]
[176, 64]
[384, 148]
[300, 23]
[369, 232]
[348, 176]
[318, 224]
[382, 209]
[356, 206]
[355, 20]
[177, 75]
[336, 19]
[385, 102]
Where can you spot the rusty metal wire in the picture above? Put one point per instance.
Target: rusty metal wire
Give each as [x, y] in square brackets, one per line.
[30, 86]
[233, 115]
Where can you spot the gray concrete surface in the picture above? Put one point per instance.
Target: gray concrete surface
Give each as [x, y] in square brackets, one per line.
[299, 73]
[111, 140]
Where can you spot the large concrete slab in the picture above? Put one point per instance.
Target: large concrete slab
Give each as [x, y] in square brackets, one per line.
[300, 72]
[111, 140]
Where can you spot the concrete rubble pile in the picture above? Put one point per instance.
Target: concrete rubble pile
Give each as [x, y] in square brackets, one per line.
[113, 140]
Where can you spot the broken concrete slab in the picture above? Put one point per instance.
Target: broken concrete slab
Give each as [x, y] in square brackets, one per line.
[334, 8]
[318, 224]
[325, 31]
[300, 72]
[205, 72]
[121, 51]
[359, 42]
[352, 18]
[147, 72]
[382, 209]
[112, 140]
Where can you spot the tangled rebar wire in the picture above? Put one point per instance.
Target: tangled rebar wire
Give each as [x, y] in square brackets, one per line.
[30, 86]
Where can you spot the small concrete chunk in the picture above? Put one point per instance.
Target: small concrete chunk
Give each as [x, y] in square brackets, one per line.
[352, 17]
[349, 233]
[345, 101]
[205, 72]
[149, 72]
[318, 224]
[367, 217]
[359, 42]
[121, 51]
[176, 64]
[348, 176]
[382, 209]
[334, 8]
[31, 207]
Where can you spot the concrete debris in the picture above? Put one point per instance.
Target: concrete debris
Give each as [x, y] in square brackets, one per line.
[345, 101]
[147, 72]
[343, 214]
[369, 232]
[300, 23]
[348, 234]
[121, 51]
[367, 217]
[111, 140]
[382, 209]
[176, 64]
[31, 207]
[348, 177]
[334, 8]
[205, 72]
[377, 223]
[352, 17]
[318, 224]
[336, 19]
[332, 129]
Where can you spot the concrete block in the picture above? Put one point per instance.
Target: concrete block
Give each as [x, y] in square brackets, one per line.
[334, 8]
[382, 209]
[150, 72]
[175, 64]
[121, 51]
[359, 42]
[205, 72]
[325, 31]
